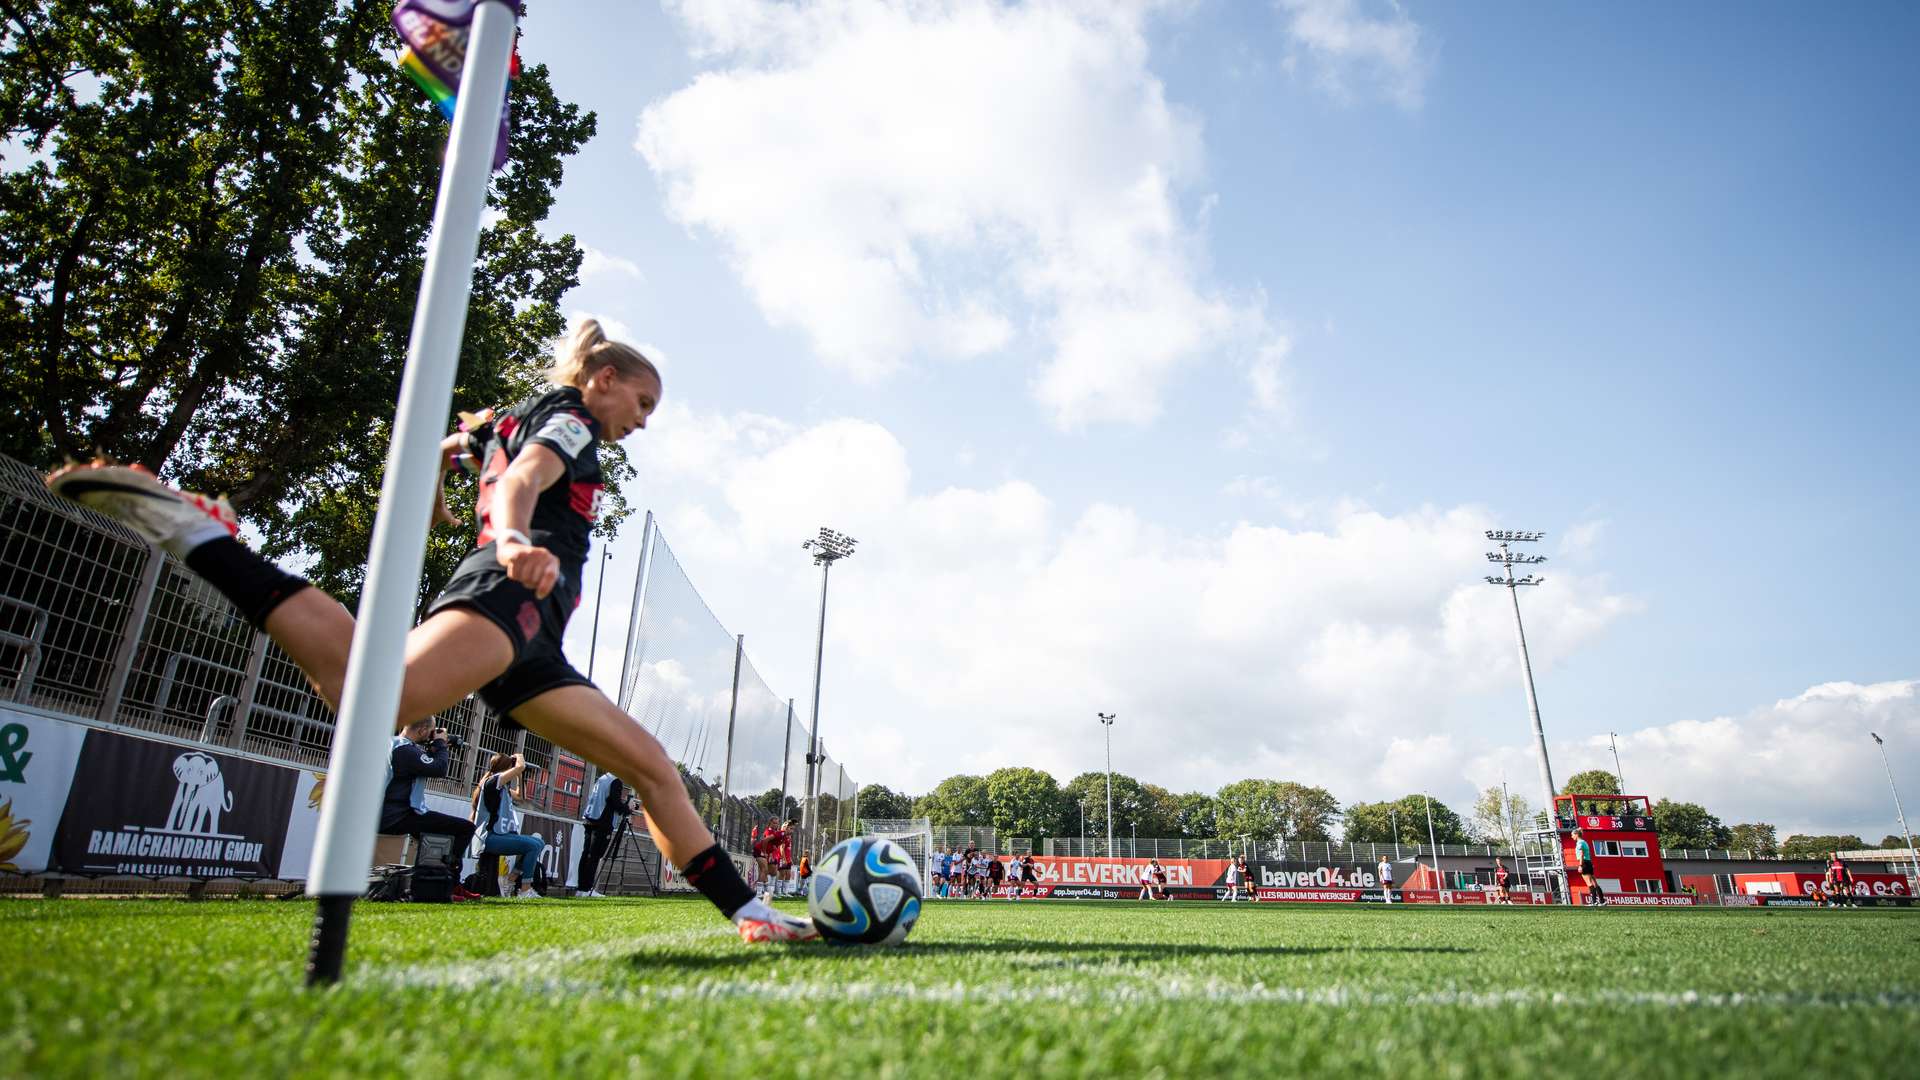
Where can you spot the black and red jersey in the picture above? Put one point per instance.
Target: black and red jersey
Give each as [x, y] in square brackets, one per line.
[563, 514]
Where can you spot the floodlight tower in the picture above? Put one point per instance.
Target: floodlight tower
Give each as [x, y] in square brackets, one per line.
[1106, 721]
[1913, 859]
[1508, 558]
[827, 548]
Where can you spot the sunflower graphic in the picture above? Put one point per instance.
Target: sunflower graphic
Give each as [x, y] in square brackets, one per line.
[319, 791]
[13, 836]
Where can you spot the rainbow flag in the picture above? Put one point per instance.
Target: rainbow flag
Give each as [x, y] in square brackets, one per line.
[435, 32]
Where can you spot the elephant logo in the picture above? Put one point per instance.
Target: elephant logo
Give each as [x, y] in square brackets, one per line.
[201, 797]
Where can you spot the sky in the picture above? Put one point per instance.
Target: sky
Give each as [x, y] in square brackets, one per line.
[1171, 359]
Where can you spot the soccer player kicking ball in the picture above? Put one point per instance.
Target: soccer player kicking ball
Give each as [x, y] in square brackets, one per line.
[496, 628]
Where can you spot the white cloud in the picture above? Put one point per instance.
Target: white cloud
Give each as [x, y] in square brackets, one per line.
[954, 178]
[1351, 52]
[616, 330]
[1805, 764]
[597, 265]
[1582, 540]
[981, 626]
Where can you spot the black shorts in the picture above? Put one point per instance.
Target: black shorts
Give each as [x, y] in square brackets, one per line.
[533, 625]
[1587, 868]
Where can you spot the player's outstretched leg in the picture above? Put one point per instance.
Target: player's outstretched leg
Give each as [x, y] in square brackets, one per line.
[581, 719]
[448, 657]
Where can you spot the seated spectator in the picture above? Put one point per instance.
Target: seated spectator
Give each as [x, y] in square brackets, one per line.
[420, 754]
[493, 811]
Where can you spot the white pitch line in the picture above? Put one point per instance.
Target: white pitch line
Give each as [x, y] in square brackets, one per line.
[525, 969]
[569, 971]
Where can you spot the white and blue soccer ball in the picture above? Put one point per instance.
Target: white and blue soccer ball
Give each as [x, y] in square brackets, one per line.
[865, 892]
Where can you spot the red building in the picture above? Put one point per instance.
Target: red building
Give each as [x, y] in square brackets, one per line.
[1625, 841]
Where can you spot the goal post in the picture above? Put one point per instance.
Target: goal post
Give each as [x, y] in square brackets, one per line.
[915, 835]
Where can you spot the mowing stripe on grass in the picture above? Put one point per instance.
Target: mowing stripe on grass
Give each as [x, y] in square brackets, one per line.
[522, 970]
[559, 971]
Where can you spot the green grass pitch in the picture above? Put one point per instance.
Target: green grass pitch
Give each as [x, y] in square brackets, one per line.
[662, 988]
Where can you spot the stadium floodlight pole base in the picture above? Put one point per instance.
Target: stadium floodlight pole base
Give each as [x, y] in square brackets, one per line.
[376, 665]
[327, 952]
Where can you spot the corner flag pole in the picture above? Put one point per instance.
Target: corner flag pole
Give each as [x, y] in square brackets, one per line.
[356, 771]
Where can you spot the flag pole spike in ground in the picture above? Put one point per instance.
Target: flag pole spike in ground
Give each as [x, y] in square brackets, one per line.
[343, 847]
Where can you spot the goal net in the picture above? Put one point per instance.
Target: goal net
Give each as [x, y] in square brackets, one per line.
[913, 834]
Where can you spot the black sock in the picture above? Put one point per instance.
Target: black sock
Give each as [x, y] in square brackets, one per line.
[718, 880]
[255, 585]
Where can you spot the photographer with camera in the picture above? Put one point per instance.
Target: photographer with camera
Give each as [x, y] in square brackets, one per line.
[495, 818]
[607, 807]
[420, 753]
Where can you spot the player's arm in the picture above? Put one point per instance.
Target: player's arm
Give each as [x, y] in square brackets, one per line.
[451, 448]
[534, 470]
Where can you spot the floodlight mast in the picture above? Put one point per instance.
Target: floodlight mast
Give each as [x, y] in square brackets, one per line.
[1106, 721]
[1913, 859]
[827, 548]
[1508, 559]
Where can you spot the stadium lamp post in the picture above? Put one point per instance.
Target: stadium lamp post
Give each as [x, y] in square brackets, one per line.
[1438, 882]
[1618, 778]
[827, 548]
[1106, 721]
[1508, 558]
[1913, 859]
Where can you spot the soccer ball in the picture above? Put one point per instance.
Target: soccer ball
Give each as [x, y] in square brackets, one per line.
[865, 892]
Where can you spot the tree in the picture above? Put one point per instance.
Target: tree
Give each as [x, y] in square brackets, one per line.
[1688, 825]
[1024, 802]
[1159, 812]
[1272, 808]
[1133, 808]
[1496, 818]
[1892, 841]
[1195, 820]
[957, 800]
[1818, 847]
[1757, 837]
[879, 802]
[212, 272]
[1591, 782]
[1375, 822]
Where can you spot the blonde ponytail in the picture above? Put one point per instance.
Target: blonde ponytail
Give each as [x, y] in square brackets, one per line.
[588, 350]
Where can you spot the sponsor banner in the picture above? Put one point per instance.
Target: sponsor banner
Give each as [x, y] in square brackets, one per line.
[1627, 899]
[1864, 884]
[37, 759]
[1054, 870]
[154, 809]
[1807, 901]
[1442, 896]
[1609, 823]
[303, 822]
[1310, 895]
[671, 881]
[1088, 892]
[1312, 876]
[561, 856]
[1736, 900]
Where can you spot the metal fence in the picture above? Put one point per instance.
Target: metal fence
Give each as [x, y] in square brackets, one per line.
[740, 747]
[1305, 851]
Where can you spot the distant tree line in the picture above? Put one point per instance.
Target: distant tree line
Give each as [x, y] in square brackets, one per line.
[1025, 802]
